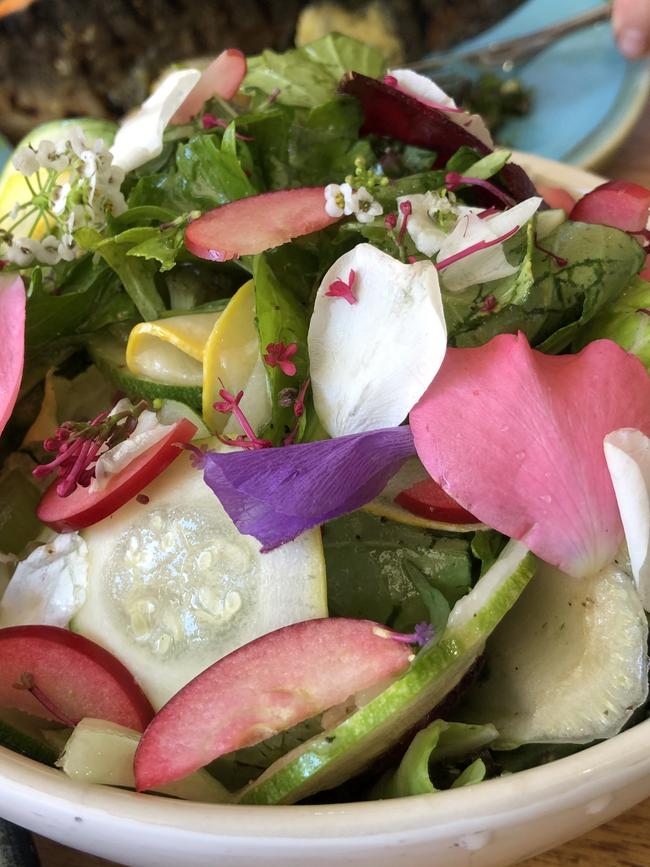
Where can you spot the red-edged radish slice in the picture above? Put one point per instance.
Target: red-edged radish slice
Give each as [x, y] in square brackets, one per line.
[428, 500]
[556, 197]
[256, 224]
[12, 342]
[265, 687]
[391, 112]
[223, 78]
[74, 677]
[619, 204]
[83, 508]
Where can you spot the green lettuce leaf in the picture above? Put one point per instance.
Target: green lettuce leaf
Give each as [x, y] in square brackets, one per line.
[440, 742]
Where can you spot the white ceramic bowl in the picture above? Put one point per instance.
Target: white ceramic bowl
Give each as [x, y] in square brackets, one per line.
[493, 824]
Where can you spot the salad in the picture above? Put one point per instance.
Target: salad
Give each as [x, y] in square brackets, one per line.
[325, 454]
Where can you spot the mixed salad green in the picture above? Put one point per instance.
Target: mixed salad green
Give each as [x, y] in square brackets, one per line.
[317, 479]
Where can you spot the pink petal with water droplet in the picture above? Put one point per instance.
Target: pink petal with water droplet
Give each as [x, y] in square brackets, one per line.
[223, 78]
[516, 437]
[12, 342]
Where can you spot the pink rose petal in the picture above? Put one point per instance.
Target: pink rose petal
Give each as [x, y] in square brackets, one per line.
[516, 437]
[12, 342]
[223, 77]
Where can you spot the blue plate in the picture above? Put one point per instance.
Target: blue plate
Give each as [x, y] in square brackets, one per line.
[586, 96]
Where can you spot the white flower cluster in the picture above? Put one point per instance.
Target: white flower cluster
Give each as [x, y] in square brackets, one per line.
[73, 184]
[343, 200]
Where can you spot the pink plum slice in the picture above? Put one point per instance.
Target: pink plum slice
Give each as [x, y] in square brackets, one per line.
[77, 677]
[257, 223]
[392, 112]
[556, 197]
[12, 342]
[265, 687]
[516, 437]
[619, 204]
[223, 78]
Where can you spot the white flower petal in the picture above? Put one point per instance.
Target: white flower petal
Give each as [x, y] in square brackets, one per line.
[25, 161]
[427, 91]
[140, 137]
[49, 587]
[627, 453]
[483, 265]
[427, 234]
[371, 361]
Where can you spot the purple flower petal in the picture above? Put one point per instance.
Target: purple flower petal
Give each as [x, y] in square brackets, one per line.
[276, 494]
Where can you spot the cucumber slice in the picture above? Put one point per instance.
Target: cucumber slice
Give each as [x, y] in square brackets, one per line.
[173, 586]
[569, 664]
[343, 751]
[172, 411]
[108, 350]
[102, 752]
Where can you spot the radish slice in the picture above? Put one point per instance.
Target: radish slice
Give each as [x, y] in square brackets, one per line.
[263, 688]
[12, 342]
[516, 437]
[619, 204]
[76, 677]
[84, 508]
[428, 500]
[628, 458]
[372, 360]
[390, 112]
[428, 92]
[257, 223]
[556, 197]
[223, 78]
[140, 138]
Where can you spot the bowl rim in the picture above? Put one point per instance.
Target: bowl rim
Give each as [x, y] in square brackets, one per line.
[594, 771]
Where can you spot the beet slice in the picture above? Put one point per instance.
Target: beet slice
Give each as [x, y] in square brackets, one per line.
[265, 687]
[619, 204]
[257, 223]
[76, 677]
[391, 112]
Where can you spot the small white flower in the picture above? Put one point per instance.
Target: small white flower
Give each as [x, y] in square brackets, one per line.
[367, 207]
[89, 160]
[114, 201]
[340, 199]
[48, 252]
[60, 198]
[49, 157]
[22, 251]
[25, 161]
[77, 141]
[67, 249]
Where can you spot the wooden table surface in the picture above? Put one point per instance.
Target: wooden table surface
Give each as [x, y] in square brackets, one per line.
[625, 842]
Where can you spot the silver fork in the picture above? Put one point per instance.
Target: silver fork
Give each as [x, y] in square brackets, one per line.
[505, 54]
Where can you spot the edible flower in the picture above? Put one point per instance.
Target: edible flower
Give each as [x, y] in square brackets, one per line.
[370, 368]
[339, 288]
[543, 479]
[367, 206]
[229, 404]
[13, 301]
[422, 634]
[340, 200]
[279, 355]
[276, 494]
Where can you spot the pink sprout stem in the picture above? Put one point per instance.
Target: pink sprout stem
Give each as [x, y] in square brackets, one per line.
[475, 248]
[27, 682]
[453, 180]
[559, 260]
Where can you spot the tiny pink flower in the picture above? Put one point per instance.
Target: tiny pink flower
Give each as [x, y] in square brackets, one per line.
[340, 289]
[279, 355]
[488, 305]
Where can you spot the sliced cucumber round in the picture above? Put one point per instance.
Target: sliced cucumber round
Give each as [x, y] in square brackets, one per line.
[173, 586]
[343, 751]
[108, 350]
[569, 664]
[102, 752]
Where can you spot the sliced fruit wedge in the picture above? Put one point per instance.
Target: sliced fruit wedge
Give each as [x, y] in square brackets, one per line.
[391, 112]
[170, 350]
[72, 676]
[173, 586]
[223, 78]
[12, 342]
[108, 350]
[569, 664]
[427, 499]
[102, 753]
[232, 360]
[620, 204]
[84, 508]
[257, 223]
[341, 752]
[556, 197]
[263, 688]
[388, 505]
